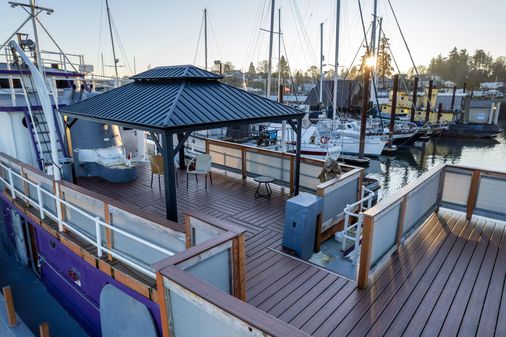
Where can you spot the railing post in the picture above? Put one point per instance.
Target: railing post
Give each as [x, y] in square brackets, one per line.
[44, 330]
[473, 194]
[346, 224]
[239, 267]
[402, 217]
[365, 254]
[98, 234]
[243, 161]
[358, 233]
[58, 206]
[11, 183]
[9, 307]
[41, 203]
[108, 232]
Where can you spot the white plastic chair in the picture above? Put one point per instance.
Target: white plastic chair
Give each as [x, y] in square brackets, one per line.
[202, 167]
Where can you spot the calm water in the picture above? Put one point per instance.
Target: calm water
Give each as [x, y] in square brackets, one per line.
[407, 165]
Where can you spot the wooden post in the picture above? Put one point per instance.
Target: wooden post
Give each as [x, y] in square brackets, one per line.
[291, 173]
[473, 193]
[108, 232]
[365, 254]
[297, 158]
[428, 107]
[44, 330]
[439, 112]
[414, 99]
[188, 231]
[452, 108]
[393, 110]
[9, 306]
[243, 163]
[365, 108]
[164, 313]
[239, 266]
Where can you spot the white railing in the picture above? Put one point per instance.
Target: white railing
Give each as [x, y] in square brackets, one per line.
[349, 212]
[62, 224]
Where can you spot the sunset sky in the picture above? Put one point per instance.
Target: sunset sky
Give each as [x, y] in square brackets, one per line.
[165, 32]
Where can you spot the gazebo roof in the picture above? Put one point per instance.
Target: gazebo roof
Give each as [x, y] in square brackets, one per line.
[179, 98]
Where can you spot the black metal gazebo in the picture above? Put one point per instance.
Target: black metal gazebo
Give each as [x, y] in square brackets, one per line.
[177, 100]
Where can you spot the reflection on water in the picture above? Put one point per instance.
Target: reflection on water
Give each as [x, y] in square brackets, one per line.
[407, 165]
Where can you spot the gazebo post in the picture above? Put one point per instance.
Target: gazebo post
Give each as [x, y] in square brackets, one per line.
[297, 156]
[169, 171]
[182, 163]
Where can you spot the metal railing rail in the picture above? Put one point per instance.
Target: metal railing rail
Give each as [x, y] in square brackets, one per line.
[62, 224]
[349, 212]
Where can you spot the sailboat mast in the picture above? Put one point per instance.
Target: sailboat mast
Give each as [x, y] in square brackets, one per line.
[321, 64]
[205, 37]
[271, 40]
[372, 52]
[279, 55]
[38, 57]
[112, 42]
[336, 60]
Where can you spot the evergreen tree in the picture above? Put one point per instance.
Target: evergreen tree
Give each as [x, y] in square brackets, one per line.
[384, 62]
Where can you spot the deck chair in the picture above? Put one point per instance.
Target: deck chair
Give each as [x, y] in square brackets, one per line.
[202, 166]
[156, 163]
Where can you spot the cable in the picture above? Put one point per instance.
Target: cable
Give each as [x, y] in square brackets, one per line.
[363, 26]
[403, 38]
[198, 40]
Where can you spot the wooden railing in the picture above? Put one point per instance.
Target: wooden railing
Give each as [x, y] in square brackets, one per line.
[252, 161]
[388, 224]
[206, 283]
[114, 229]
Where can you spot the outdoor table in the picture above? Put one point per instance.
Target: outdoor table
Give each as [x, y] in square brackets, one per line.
[266, 181]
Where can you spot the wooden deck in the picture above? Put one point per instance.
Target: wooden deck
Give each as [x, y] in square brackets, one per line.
[448, 280]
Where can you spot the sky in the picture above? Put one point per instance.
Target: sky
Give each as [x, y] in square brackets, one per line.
[166, 32]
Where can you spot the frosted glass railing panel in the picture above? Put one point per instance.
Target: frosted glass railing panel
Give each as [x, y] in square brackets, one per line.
[92, 206]
[201, 231]
[385, 232]
[456, 187]
[420, 202]
[47, 185]
[309, 175]
[149, 231]
[335, 201]
[225, 156]
[265, 165]
[193, 316]
[491, 200]
[213, 266]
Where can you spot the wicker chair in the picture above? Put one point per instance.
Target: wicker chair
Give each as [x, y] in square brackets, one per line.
[156, 162]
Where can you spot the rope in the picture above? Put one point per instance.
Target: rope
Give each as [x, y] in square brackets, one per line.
[198, 40]
[403, 38]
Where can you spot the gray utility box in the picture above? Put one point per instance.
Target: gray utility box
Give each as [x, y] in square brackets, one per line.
[301, 218]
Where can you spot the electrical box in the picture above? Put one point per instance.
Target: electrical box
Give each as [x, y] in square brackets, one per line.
[301, 218]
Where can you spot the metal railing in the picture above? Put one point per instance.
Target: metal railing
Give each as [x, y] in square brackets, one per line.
[349, 213]
[62, 224]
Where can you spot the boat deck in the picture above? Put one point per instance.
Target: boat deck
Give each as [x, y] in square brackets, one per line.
[449, 279]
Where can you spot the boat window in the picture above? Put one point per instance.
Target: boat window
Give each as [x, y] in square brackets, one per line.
[4, 83]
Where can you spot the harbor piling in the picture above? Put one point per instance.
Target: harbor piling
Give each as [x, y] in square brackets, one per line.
[429, 105]
[413, 106]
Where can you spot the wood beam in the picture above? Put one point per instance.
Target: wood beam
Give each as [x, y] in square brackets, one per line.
[473, 193]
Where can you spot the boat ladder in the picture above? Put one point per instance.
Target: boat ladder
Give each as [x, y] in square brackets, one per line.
[353, 224]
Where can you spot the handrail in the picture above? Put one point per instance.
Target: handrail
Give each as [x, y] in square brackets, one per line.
[349, 212]
[62, 224]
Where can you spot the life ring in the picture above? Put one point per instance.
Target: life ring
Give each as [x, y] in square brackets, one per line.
[324, 140]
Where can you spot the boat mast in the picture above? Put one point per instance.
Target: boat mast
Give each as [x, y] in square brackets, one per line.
[372, 53]
[321, 64]
[271, 40]
[205, 37]
[38, 57]
[280, 87]
[336, 60]
[112, 43]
